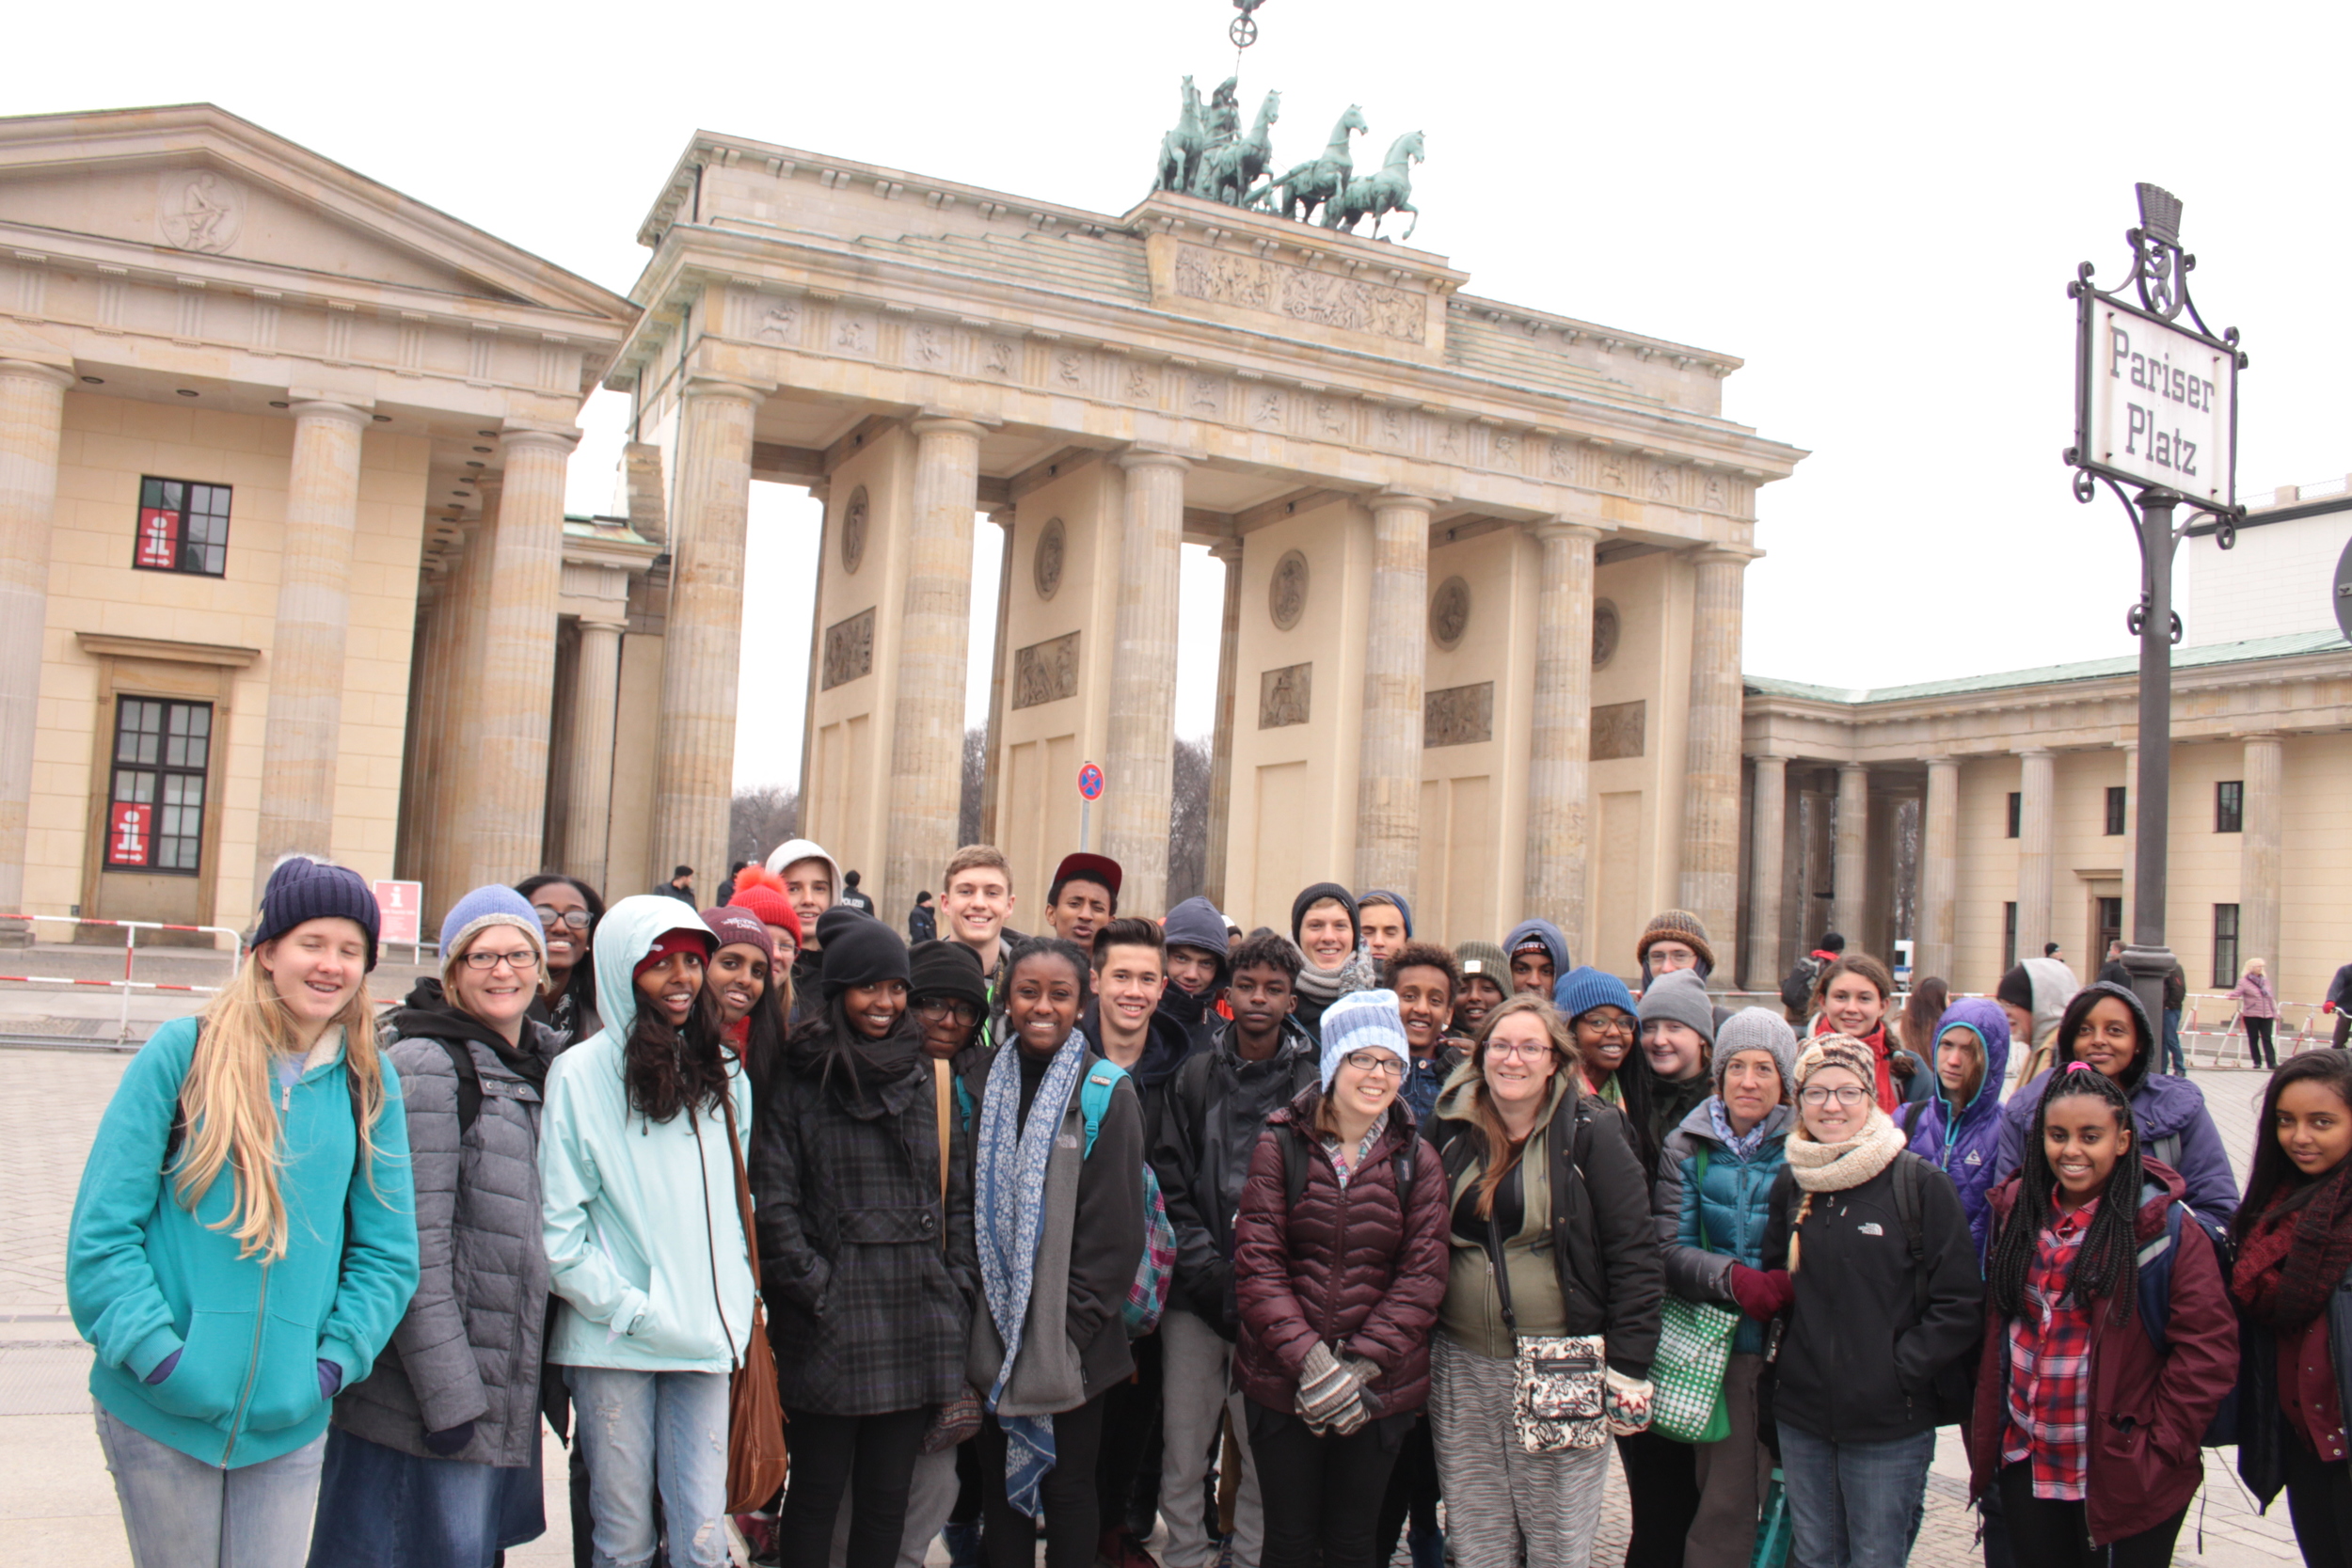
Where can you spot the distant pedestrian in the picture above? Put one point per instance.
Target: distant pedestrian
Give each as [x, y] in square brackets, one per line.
[1803, 978]
[2339, 1002]
[680, 886]
[852, 895]
[2258, 1009]
[727, 888]
[252, 1164]
[922, 920]
[2112, 971]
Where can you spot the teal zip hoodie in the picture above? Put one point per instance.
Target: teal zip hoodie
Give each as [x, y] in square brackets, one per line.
[146, 1277]
[645, 1246]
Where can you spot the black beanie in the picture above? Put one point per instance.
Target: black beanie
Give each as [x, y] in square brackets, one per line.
[945, 969]
[1316, 894]
[831, 923]
[302, 889]
[864, 952]
[2016, 988]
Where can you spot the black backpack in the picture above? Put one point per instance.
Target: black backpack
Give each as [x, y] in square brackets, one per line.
[1796, 987]
[1954, 1391]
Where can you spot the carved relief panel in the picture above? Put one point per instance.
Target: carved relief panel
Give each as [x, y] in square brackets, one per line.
[1619, 730]
[1458, 715]
[1449, 613]
[849, 650]
[199, 209]
[1047, 671]
[1285, 696]
[1286, 591]
[1045, 564]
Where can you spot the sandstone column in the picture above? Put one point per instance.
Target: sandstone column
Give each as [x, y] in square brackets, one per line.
[1766, 871]
[1939, 871]
[2258, 853]
[32, 423]
[934, 635]
[304, 731]
[515, 681]
[1139, 756]
[1849, 860]
[694, 768]
[428, 682]
[1711, 784]
[2036, 859]
[1221, 745]
[1559, 770]
[457, 734]
[1387, 776]
[596, 693]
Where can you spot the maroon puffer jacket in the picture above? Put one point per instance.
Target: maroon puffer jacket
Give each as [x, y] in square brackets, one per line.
[1355, 1269]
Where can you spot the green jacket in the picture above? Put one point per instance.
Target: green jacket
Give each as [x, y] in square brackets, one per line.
[146, 1277]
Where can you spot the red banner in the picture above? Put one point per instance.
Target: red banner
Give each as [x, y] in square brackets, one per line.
[403, 909]
[159, 530]
[130, 833]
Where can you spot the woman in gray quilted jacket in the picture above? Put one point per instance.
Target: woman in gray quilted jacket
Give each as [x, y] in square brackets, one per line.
[433, 1458]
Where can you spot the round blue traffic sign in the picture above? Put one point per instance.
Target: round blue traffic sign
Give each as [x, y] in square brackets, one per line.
[1091, 782]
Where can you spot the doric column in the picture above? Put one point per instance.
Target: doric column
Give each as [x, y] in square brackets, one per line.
[428, 683]
[1559, 767]
[1140, 755]
[304, 731]
[1387, 770]
[1711, 784]
[596, 693]
[702, 642]
[32, 423]
[452, 789]
[2131, 838]
[1850, 858]
[516, 675]
[2037, 844]
[934, 638]
[1768, 843]
[1939, 871]
[1221, 743]
[2258, 852]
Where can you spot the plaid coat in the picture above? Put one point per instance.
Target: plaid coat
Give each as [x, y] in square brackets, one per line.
[870, 1277]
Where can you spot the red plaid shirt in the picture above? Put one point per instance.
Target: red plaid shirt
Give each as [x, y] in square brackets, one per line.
[2049, 1367]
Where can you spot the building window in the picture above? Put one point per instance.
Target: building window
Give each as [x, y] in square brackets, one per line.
[2110, 927]
[2008, 935]
[155, 812]
[2016, 812]
[2229, 809]
[2119, 801]
[182, 527]
[2224, 946]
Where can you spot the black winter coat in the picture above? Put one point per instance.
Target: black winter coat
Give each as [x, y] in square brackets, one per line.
[1859, 1360]
[1214, 1111]
[868, 1276]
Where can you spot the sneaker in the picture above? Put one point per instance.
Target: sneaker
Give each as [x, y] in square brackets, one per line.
[758, 1532]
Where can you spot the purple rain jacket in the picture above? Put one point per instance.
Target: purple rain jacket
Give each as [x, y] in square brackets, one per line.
[1965, 1145]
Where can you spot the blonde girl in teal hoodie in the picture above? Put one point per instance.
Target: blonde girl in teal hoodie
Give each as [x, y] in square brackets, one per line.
[243, 1243]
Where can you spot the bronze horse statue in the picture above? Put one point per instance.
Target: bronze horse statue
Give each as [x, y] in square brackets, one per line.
[1376, 195]
[1181, 149]
[1229, 169]
[1311, 184]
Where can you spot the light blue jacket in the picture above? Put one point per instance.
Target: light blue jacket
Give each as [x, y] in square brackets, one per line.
[645, 1246]
[146, 1277]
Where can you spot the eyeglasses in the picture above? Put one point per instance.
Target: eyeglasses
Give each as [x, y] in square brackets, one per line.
[522, 962]
[575, 919]
[1379, 1064]
[1599, 1025]
[947, 1008]
[1532, 1050]
[1848, 1096]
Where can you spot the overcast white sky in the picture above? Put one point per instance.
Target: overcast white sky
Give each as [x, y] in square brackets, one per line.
[1877, 207]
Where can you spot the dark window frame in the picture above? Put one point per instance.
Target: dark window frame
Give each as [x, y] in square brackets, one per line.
[154, 740]
[2119, 810]
[2229, 807]
[181, 527]
[2225, 946]
[2016, 815]
[2009, 936]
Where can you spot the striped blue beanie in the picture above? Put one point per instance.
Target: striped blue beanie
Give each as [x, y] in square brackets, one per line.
[1362, 1021]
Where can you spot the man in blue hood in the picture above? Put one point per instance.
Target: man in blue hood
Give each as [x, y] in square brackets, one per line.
[1195, 934]
[1957, 1130]
[1538, 954]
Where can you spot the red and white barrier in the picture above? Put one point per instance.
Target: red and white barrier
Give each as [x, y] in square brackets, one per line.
[129, 983]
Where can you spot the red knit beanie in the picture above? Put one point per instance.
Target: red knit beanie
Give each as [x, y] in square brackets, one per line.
[679, 939]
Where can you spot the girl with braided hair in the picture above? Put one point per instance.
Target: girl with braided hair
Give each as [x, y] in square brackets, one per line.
[2092, 1392]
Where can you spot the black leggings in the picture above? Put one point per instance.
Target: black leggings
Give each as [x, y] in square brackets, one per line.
[1322, 1494]
[2319, 1500]
[2046, 1534]
[1413, 1493]
[1662, 1481]
[1072, 1519]
[2261, 1041]
[1124, 1494]
[870, 1457]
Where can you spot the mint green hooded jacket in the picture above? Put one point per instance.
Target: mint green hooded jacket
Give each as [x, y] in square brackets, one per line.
[646, 1249]
[146, 1277]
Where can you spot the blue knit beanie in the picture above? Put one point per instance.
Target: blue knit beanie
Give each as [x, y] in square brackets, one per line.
[1580, 991]
[301, 888]
[485, 907]
[1362, 1021]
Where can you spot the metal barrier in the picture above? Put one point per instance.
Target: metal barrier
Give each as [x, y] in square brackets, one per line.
[129, 983]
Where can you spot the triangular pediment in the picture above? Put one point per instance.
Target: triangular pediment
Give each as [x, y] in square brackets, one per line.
[197, 182]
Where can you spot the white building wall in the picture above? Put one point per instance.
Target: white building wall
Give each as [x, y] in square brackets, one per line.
[2278, 579]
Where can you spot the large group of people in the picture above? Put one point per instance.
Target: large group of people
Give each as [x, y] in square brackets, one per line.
[1149, 1235]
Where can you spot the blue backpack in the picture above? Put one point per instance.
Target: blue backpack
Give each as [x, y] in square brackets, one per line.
[2155, 1301]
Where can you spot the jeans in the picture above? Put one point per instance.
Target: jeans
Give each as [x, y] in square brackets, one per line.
[1854, 1505]
[380, 1508]
[1193, 1401]
[2261, 1041]
[643, 1430]
[181, 1513]
[2052, 1535]
[1323, 1493]
[1008, 1536]
[2175, 1060]
[869, 1457]
[2319, 1500]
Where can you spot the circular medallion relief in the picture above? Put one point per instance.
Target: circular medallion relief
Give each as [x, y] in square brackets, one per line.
[1605, 630]
[1045, 565]
[1286, 594]
[853, 531]
[199, 209]
[1449, 613]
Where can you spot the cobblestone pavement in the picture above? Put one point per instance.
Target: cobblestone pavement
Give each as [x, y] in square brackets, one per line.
[57, 1506]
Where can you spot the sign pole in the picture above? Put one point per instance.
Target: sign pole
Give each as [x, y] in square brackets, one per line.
[1090, 791]
[2146, 955]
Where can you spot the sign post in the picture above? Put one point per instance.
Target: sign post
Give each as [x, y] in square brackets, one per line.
[401, 905]
[2155, 422]
[1090, 791]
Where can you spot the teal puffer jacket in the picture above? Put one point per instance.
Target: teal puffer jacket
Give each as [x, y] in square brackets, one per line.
[1735, 1202]
[146, 1277]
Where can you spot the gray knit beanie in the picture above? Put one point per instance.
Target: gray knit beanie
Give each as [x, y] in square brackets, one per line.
[1681, 997]
[1758, 1029]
